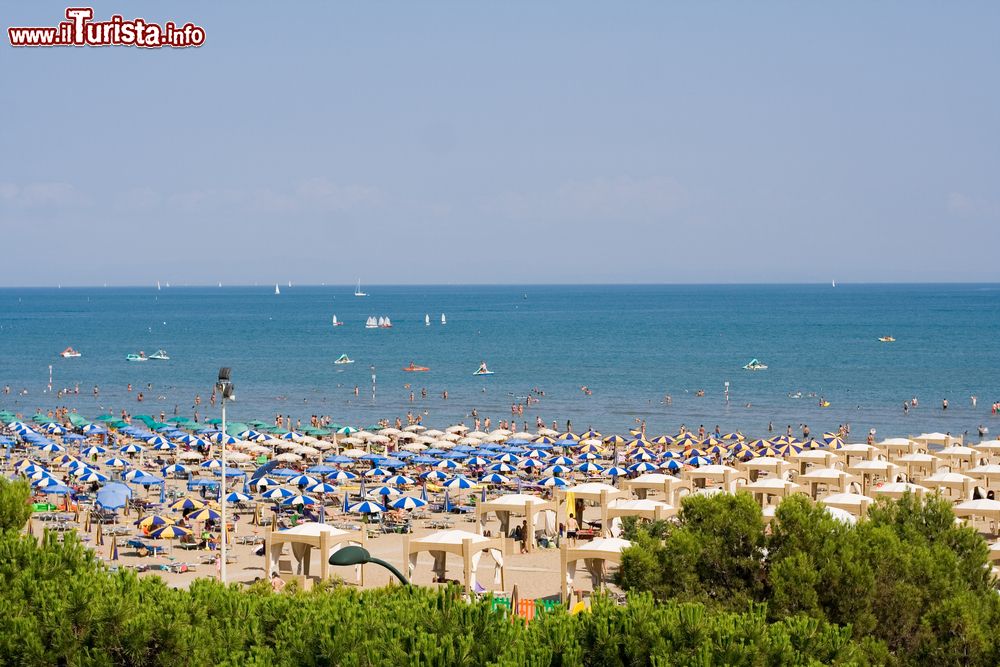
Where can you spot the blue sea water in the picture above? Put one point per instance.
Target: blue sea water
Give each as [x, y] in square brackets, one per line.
[631, 345]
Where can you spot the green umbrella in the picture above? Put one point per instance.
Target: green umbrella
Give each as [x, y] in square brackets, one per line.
[213, 421]
[103, 418]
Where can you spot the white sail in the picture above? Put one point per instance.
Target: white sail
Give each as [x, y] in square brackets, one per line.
[276, 289]
[833, 283]
[334, 320]
[357, 290]
[289, 283]
[157, 285]
[427, 320]
[443, 320]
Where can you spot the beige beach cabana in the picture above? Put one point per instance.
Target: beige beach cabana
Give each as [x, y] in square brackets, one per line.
[950, 482]
[869, 471]
[988, 474]
[897, 446]
[470, 547]
[989, 449]
[668, 485]
[983, 508]
[832, 479]
[945, 440]
[768, 488]
[958, 457]
[769, 464]
[302, 540]
[723, 475]
[651, 510]
[897, 490]
[595, 555]
[821, 458]
[918, 465]
[858, 452]
[517, 504]
[855, 503]
[596, 493]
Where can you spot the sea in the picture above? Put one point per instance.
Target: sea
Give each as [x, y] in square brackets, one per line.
[598, 356]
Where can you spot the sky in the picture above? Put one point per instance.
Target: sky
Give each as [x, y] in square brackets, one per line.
[507, 142]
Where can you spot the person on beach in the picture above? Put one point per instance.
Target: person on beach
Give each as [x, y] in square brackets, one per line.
[572, 526]
[524, 536]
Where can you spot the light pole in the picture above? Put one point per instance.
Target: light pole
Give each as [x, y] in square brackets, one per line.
[227, 391]
[355, 555]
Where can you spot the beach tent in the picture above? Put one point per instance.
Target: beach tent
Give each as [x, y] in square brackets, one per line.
[668, 485]
[113, 496]
[594, 492]
[517, 504]
[469, 546]
[303, 539]
[595, 555]
[651, 510]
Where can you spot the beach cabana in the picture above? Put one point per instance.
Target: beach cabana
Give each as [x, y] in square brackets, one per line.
[668, 485]
[870, 470]
[302, 539]
[949, 482]
[573, 500]
[820, 458]
[832, 479]
[982, 508]
[766, 488]
[725, 476]
[855, 503]
[897, 490]
[595, 555]
[651, 510]
[944, 439]
[518, 504]
[918, 465]
[468, 546]
[769, 464]
[988, 474]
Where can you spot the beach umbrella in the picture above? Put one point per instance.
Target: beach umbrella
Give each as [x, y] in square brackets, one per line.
[186, 503]
[698, 461]
[448, 464]
[322, 487]
[91, 476]
[476, 461]
[407, 503]
[54, 429]
[204, 514]
[264, 482]
[169, 531]
[376, 472]
[342, 476]
[502, 467]
[554, 481]
[493, 478]
[399, 480]
[52, 447]
[93, 450]
[367, 507]
[156, 440]
[154, 521]
[561, 460]
[298, 501]
[114, 548]
[227, 439]
[131, 449]
[671, 464]
[434, 475]
[589, 467]
[384, 490]
[640, 454]
[237, 497]
[557, 469]
[174, 468]
[459, 483]
[615, 471]
[211, 463]
[530, 463]
[303, 480]
[116, 463]
[277, 493]
[642, 466]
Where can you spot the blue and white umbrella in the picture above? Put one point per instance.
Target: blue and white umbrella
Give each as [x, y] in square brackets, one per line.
[376, 472]
[459, 483]
[561, 461]
[303, 480]
[399, 480]
[212, 463]
[530, 463]
[493, 478]
[54, 429]
[322, 487]
[671, 464]
[165, 447]
[502, 467]
[52, 447]
[93, 450]
[699, 461]
[554, 481]
[193, 441]
[476, 461]
[407, 503]
[342, 476]
[615, 471]
[237, 497]
[434, 475]
[589, 467]
[448, 464]
[229, 440]
[292, 435]
[156, 440]
[116, 463]
[132, 448]
[277, 494]
[174, 468]
[264, 482]
[298, 501]
[367, 507]
[386, 491]
[508, 458]
[93, 429]
[93, 476]
[557, 469]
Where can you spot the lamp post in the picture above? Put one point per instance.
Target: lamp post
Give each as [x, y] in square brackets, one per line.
[227, 391]
[355, 555]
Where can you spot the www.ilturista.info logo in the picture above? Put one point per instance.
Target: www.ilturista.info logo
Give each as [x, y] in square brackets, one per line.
[81, 30]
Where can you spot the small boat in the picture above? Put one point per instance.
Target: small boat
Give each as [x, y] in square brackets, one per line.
[160, 355]
[357, 290]
[69, 353]
[384, 323]
[277, 290]
[887, 339]
[833, 283]
[483, 370]
[343, 359]
[137, 357]
[754, 365]
[443, 320]
[371, 323]
[157, 285]
[412, 368]
[336, 323]
[824, 404]
[427, 320]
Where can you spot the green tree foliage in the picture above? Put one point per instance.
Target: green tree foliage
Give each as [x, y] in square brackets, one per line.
[908, 576]
[14, 508]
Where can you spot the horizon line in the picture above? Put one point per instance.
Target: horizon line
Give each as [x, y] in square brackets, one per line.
[224, 285]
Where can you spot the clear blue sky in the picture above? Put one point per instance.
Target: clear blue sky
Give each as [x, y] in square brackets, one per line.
[512, 142]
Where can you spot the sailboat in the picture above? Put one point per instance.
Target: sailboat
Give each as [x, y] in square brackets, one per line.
[343, 359]
[277, 290]
[443, 320]
[427, 320]
[289, 283]
[157, 285]
[336, 323]
[371, 323]
[357, 290]
[833, 283]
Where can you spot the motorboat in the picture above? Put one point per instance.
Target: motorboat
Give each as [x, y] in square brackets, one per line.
[343, 359]
[371, 323]
[160, 355]
[337, 323]
[413, 368]
[754, 365]
[887, 339]
[69, 353]
[483, 370]
[137, 357]
[357, 290]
